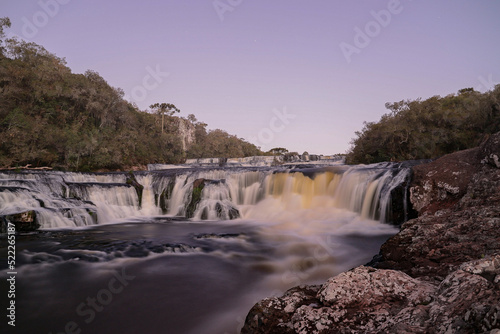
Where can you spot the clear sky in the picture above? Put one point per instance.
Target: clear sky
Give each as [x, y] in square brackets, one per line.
[284, 73]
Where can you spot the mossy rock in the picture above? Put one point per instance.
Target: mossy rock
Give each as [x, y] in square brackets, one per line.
[232, 212]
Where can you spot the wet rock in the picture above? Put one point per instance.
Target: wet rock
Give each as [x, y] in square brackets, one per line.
[226, 212]
[223, 210]
[401, 208]
[132, 181]
[23, 221]
[233, 213]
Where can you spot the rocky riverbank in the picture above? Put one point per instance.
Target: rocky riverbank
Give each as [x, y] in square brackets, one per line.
[439, 274]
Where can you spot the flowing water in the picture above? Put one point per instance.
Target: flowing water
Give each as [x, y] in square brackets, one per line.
[114, 258]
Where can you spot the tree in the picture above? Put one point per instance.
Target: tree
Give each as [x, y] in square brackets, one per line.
[162, 108]
[423, 129]
[278, 151]
[52, 117]
[4, 23]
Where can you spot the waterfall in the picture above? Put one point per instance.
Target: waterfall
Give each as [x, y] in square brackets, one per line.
[63, 199]
[44, 194]
[149, 205]
[180, 196]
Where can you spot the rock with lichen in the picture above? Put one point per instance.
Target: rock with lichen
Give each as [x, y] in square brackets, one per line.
[369, 300]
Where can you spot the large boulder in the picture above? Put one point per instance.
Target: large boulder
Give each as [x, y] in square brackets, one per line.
[441, 183]
[433, 246]
[368, 300]
[274, 315]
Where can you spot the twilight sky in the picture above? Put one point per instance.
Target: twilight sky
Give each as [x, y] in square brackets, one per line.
[288, 73]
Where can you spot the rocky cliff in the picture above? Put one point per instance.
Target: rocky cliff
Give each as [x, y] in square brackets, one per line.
[186, 131]
[439, 274]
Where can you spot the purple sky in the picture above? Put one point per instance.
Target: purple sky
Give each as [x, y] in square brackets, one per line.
[295, 74]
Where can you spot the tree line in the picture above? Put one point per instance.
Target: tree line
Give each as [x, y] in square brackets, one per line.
[52, 117]
[425, 129]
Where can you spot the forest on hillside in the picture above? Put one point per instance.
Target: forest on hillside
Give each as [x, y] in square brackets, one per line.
[427, 129]
[52, 117]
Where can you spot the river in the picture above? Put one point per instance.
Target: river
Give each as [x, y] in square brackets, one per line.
[111, 259]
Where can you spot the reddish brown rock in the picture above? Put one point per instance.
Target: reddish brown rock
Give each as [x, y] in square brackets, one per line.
[435, 244]
[440, 184]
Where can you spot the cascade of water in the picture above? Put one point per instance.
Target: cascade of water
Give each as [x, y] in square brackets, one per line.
[215, 202]
[149, 206]
[246, 187]
[401, 178]
[181, 196]
[44, 194]
[113, 201]
[74, 199]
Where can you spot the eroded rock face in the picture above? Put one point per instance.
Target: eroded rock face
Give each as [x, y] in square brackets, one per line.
[186, 131]
[435, 244]
[368, 300]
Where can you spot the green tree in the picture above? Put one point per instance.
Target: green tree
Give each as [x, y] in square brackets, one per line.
[162, 109]
[430, 128]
